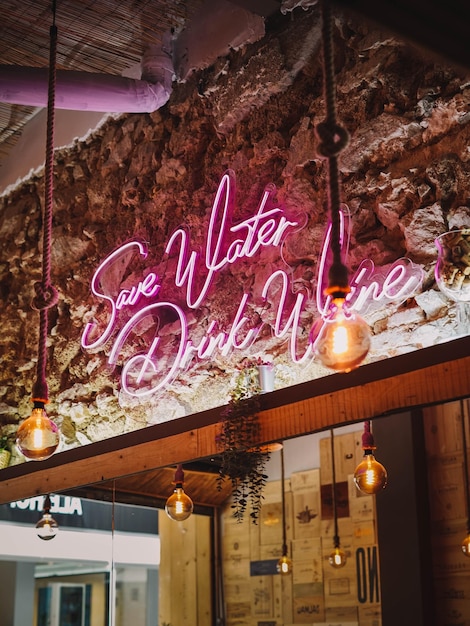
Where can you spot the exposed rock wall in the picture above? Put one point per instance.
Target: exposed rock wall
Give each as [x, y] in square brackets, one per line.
[405, 178]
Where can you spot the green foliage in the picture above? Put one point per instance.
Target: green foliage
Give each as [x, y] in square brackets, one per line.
[4, 443]
[243, 463]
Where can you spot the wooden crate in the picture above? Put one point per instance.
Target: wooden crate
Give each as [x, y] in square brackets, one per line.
[448, 558]
[341, 614]
[270, 520]
[370, 616]
[443, 429]
[447, 491]
[345, 457]
[342, 500]
[345, 529]
[361, 505]
[309, 548]
[364, 533]
[452, 597]
[340, 584]
[306, 503]
[308, 603]
[262, 603]
[238, 612]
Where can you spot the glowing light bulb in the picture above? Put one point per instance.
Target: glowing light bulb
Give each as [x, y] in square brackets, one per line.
[284, 565]
[179, 506]
[38, 437]
[47, 527]
[370, 475]
[337, 558]
[466, 545]
[344, 339]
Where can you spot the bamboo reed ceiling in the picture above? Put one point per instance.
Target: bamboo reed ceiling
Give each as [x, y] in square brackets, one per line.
[104, 36]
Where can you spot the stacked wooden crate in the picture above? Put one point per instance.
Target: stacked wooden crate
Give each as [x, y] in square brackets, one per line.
[315, 593]
[448, 509]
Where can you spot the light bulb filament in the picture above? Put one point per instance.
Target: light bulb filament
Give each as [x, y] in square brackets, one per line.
[337, 558]
[340, 339]
[370, 476]
[38, 437]
[179, 505]
[344, 339]
[284, 565]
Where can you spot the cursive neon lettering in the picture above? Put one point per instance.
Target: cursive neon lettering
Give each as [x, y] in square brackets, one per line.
[257, 233]
[95, 288]
[401, 280]
[292, 323]
[151, 370]
[147, 287]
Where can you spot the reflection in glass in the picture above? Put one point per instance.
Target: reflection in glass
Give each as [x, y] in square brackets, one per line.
[47, 527]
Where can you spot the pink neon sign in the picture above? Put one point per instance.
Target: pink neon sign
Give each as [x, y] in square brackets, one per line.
[145, 373]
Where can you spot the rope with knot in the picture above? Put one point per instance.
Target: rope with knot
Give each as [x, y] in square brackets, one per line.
[333, 138]
[46, 295]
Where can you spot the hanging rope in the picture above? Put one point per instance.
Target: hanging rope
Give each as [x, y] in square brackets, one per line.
[333, 138]
[46, 295]
[368, 442]
[283, 496]
[333, 489]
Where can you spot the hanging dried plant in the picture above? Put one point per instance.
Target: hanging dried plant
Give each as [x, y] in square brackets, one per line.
[243, 462]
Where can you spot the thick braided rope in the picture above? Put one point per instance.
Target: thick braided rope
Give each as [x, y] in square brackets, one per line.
[46, 295]
[333, 138]
[368, 442]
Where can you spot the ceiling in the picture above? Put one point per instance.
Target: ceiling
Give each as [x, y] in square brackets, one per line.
[102, 36]
[110, 36]
[153, 487]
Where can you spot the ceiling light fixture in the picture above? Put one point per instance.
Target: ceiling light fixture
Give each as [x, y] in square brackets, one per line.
[344, 339]
[284, 565]
[38, 437]
[370, 476]
[179, 505]
[466, 539]
[47, 527]
[338, 557]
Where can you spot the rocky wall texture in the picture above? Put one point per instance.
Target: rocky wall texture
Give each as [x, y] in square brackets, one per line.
[405, 178]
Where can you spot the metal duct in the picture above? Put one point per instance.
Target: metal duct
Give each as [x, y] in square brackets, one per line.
[84, 91]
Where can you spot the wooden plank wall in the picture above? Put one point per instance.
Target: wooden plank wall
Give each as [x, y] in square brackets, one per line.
[185, 592]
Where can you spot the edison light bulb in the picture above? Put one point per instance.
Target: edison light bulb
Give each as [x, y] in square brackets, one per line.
[284, 565]
[38, 437]
[47, 527]
[179, 506]
[337, 558]
[344, 340]
[370, 475]
[466, 545]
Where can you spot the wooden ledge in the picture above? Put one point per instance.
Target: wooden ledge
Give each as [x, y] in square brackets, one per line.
[430, 376]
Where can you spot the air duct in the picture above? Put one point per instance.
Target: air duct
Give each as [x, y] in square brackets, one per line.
[85, 91]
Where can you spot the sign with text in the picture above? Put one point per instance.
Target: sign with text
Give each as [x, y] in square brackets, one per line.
[137, 309]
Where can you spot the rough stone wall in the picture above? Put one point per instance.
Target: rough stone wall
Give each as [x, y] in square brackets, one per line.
[405, 178]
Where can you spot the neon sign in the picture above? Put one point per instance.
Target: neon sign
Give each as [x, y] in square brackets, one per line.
[130, 308]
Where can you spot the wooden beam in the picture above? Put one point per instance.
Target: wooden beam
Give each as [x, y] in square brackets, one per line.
[430, 376]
